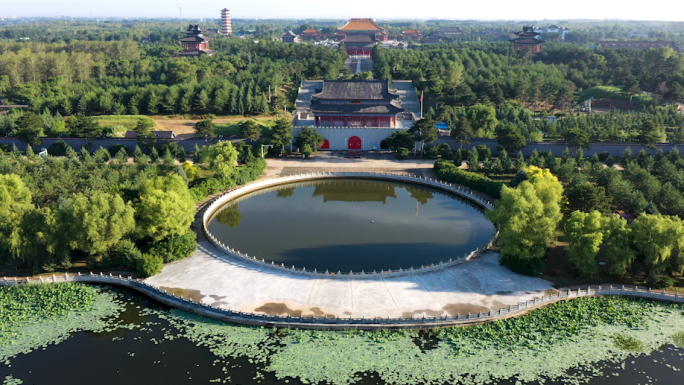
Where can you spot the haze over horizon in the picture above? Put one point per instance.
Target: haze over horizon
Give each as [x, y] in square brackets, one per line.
[658, 10]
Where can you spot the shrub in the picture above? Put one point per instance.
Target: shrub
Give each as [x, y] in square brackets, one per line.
[127, 254]
[5, 148]
[306, 150]
[483, 152]
[175, 247]
[116, 148]
[402, 153]
[445, 151]
[447, 171]
[58, 148]
[149, 265]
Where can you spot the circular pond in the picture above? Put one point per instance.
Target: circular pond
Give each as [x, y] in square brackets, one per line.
[351, 225]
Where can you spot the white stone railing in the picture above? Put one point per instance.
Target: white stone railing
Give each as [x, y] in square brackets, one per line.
[325, 322]
[458, 190]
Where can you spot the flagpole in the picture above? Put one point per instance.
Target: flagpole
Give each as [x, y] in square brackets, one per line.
[421, 104]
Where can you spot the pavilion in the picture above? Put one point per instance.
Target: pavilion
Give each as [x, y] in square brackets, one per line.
[526, 39]
[194, 43]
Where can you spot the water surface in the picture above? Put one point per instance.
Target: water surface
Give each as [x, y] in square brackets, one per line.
[352, 225]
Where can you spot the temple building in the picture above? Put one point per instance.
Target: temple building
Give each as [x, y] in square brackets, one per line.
[359, 36]
[526, 39]
[356, 114]
[311, 35]
[194, 43]
[411, 34]
[290, 37]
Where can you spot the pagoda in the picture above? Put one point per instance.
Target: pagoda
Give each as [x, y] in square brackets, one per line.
[359, 36]
[527, 39]
[194, 43]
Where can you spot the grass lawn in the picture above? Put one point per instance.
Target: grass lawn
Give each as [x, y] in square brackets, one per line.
[119, 124]
[232, 128]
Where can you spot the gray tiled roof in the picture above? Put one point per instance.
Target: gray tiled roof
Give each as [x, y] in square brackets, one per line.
[356, 89]
[318, 107]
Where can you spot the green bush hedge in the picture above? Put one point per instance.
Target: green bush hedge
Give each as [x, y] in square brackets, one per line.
[149, 265]
[403, 153]
[244, 174]
[448, 172]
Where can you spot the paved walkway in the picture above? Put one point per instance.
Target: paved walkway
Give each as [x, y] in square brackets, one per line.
[336, 161]
[219, 280]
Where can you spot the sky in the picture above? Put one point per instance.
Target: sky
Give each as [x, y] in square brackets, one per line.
[672, 10]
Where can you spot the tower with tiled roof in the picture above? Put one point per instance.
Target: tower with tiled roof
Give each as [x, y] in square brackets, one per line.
[527, 39]
[194, 43]
[359, 36]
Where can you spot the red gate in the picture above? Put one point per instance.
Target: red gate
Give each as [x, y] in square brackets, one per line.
[325, 145]
[354, 143]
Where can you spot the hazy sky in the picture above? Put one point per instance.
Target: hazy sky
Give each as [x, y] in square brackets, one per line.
[446, 9]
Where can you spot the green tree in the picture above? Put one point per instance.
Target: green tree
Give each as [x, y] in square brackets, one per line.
[659, 240]
[98, 222]
[578, 139]
[83, 126]
[424, 130]
[166, 208]
[309, 136]
[510, 137]
[15, 205]
[528, 217]
[483, 120]
[616, 244]
[400, 139]
[249, 129]
[206, 127]
[221, 158]
[462, 131]
[29, 129]
[281, 134]
[585, 197]
[149, 265]
[649, 134]
[584, 234]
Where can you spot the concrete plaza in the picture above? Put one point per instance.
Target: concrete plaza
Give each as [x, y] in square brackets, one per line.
[215, 278]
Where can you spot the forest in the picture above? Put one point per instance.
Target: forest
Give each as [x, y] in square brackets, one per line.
[98, 207]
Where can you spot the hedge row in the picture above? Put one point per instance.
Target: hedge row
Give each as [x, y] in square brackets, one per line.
[448, 172]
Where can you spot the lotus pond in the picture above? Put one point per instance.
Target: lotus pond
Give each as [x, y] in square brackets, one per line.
[79, 334]
[351, 224]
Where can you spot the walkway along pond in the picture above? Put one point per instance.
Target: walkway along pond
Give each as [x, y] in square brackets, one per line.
[350, 323]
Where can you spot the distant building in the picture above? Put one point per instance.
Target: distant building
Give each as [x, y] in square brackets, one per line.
[290, 37]
[433, 38]
[527, 39]
[312, 34]
[637, 45]
[194, 43]
[553, 28]
[450, 31]
[226, 23]
[411, 34]
[360, 35]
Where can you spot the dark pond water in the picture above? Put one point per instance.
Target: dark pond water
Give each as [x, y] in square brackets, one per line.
[352, 225]
[132, 358]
